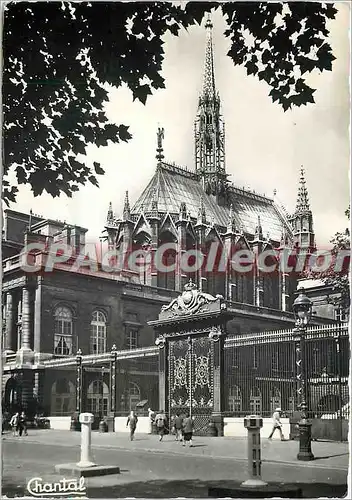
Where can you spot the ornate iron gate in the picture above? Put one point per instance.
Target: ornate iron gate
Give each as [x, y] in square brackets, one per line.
[190, 380]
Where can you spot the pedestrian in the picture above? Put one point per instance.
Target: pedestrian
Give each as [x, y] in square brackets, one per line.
[14, 423]
[187, 430]
[132, 422]
[22, 424]
[160, 421]
[178, 421]
[277, 424]
[151, 416]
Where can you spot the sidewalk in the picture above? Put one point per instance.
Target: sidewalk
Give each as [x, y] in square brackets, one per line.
[328, 455]
[153, 469]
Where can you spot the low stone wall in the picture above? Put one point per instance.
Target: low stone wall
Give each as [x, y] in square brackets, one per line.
[60, 423]
[234, 428]
[143, 425]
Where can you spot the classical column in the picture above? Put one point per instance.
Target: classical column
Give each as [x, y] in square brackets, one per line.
[37, 314]
[26, 320]
[217, 338]
[25, 355]
[9, 322]
[163, 373]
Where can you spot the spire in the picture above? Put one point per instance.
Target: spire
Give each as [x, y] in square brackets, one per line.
[259, 230]
[302, 219]
[201, 220]
[209, 132]
[302, 204]
[160, 149]
[285, 241]
[183, 211]
[126, 208]
[231, 222]
[154, 205]
[30, 220]
[209, 91]
[110, 214]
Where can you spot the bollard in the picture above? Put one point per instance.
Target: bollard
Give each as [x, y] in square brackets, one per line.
[253, 425]
[86, 420]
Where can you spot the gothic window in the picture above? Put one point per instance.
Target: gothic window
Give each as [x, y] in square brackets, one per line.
[63, 400]
[255, 401]
[98, 333]
[235, 400]
[63, 331]
[166, 277]
[98, 398]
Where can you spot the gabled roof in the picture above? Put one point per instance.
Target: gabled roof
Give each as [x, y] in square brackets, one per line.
[175, 185]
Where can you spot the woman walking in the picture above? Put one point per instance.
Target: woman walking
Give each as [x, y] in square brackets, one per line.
[187, 430]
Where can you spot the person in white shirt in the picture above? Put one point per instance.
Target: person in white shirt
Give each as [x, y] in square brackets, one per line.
[277, 424]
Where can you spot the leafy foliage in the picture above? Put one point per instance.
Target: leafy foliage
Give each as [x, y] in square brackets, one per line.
[58, 56]
[339, 281]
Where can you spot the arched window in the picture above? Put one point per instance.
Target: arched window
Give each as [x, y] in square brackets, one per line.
[235, 400]
[98, 333]
[255, 401]
[98, 398]
[275, 399]
[133, 397]
[63, 398]
[63, 329]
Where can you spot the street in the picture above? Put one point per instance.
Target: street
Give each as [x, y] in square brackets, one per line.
[153, 469]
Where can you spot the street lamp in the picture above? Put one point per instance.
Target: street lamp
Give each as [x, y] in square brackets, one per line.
[302, 309]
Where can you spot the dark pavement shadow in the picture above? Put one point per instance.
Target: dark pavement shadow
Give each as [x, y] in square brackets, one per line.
[331, 456]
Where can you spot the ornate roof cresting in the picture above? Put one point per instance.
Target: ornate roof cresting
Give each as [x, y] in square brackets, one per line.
[190, 302]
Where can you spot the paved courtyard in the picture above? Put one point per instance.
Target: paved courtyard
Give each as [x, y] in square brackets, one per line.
[153, 469]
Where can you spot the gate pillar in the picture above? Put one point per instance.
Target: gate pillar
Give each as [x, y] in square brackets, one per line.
[217, 337]
[191, 333]
[163, 373]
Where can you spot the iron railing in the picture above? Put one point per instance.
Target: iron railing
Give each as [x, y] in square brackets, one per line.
[260, 370]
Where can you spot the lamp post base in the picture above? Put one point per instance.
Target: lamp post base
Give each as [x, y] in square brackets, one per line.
[305, 439]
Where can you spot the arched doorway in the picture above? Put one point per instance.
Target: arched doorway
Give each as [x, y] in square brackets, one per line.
[63, 398]
[98, 398]
[131, 397]
[329, 405]
[12, 395]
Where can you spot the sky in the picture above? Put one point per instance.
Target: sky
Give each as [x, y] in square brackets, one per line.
[265, 146]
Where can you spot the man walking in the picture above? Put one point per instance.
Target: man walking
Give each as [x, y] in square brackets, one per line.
[178, 421]
[132, 422]
[277, 424]
[14, 423]
[160, 421]
[22, 424]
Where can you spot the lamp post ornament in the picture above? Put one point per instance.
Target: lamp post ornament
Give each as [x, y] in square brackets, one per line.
[302, 308]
